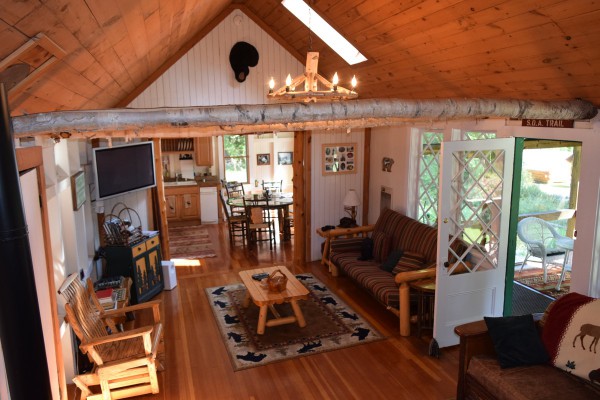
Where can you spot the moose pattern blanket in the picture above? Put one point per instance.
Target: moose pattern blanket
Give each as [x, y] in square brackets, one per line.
[571, 334]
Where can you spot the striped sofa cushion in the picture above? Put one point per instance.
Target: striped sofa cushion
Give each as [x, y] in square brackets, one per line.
[382, 245]
[379, 283]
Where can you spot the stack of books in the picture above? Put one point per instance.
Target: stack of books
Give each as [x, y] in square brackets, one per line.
[106, 298]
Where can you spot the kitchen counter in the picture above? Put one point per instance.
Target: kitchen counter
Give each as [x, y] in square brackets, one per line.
[210, 182]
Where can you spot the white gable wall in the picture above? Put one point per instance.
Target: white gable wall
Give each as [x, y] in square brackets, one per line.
[204, 77]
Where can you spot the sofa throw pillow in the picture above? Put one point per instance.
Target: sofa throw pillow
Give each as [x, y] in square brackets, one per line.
[516, 341]
[382, 243]
[570, 335]
[366, 249]
[391, 260]
[410, 261]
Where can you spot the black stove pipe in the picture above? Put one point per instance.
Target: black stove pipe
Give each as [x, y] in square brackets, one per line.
[20, 323]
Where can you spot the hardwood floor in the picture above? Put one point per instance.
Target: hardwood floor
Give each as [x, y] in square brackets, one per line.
[197, 365]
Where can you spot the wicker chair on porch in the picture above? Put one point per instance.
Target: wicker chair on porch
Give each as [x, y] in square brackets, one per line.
[540, 237]
[125, 362]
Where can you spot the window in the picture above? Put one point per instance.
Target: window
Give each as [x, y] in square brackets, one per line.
[324, 31]
[429, 170]
[235, 149]
[477, 135]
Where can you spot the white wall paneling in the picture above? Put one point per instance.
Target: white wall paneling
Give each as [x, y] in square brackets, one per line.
[203, 76]
[328, 191]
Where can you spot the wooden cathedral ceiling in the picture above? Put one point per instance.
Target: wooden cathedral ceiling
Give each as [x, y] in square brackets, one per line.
[537, 49]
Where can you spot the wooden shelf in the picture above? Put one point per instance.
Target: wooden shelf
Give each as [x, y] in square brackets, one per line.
[185, 145]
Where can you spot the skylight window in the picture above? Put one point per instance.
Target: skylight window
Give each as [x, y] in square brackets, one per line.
[323, 30]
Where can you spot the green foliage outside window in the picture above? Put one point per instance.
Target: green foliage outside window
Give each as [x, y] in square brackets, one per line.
[235, 149]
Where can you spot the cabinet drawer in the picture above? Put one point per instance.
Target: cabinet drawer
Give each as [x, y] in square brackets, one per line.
[152, 242]
[138, 249]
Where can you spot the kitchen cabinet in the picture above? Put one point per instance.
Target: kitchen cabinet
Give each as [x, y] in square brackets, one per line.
[141, 262]
[203, 151]
[183, 202]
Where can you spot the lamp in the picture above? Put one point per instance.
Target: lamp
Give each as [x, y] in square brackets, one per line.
[351, 201]
[316, 87]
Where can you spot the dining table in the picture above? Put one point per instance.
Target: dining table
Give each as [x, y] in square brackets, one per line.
[280, 202]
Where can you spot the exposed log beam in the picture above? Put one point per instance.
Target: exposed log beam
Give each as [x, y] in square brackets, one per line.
[210, 120]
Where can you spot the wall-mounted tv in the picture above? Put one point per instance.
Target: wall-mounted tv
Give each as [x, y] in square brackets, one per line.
[123, 169]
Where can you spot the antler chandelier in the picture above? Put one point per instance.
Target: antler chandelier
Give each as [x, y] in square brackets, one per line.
[316, 87]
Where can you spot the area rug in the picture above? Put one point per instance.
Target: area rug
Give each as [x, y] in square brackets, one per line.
[534, 279]
[331, 325]
[190, 242]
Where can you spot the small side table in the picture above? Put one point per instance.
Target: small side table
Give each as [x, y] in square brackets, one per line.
[425, 293]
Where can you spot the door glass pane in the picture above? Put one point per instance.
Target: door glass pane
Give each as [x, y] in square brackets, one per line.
[429, 169]
[476, 188]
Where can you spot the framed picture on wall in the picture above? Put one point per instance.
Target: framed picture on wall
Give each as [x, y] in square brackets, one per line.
[285, 158]
[339, 158]
[78, 190]
[263, 159]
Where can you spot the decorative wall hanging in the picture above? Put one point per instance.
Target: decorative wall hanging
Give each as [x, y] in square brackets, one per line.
[387, 164]
[242, 56]
[285, 158]
[339, 158]
[263, 159]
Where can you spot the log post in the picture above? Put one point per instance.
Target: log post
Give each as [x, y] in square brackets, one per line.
[299, 201]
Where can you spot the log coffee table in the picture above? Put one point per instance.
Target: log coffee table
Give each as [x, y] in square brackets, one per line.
[264, 299]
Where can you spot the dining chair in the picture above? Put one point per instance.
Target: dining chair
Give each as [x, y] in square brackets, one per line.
[540, 237]
[273, 187]
[288, 223]
[235, 190]
[261, 227]
[125, 362]
[235, 223]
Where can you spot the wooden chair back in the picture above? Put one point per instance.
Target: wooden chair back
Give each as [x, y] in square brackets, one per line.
[82, 314]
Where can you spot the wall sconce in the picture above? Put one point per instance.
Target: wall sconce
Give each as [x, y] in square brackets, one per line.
[351, 201]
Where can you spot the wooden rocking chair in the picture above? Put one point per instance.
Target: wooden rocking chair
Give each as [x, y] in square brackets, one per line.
[125, 362]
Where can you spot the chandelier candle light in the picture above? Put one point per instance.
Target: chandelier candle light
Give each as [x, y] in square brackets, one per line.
[312, 90]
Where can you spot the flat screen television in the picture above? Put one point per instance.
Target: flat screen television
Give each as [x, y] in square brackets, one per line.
[123, 169]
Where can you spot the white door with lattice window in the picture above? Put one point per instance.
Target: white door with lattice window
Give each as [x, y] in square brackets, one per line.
[473, 219]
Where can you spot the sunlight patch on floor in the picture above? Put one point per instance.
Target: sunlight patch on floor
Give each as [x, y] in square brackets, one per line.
[184, 262]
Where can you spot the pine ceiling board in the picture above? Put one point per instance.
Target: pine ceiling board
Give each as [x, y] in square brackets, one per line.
[27, 103]
[533, 37]
[137, 40]
[12, 39]
[444, 25]
[13, 11]
[354, 17]
[567, 9]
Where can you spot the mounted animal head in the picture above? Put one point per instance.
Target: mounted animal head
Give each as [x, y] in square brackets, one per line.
[242, 56]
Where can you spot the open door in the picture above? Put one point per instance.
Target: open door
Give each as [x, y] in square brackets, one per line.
[474, 211]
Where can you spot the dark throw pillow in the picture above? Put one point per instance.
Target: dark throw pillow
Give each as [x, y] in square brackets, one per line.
[410, 261]
[391, 261]
[516, 341]
[366, 249]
